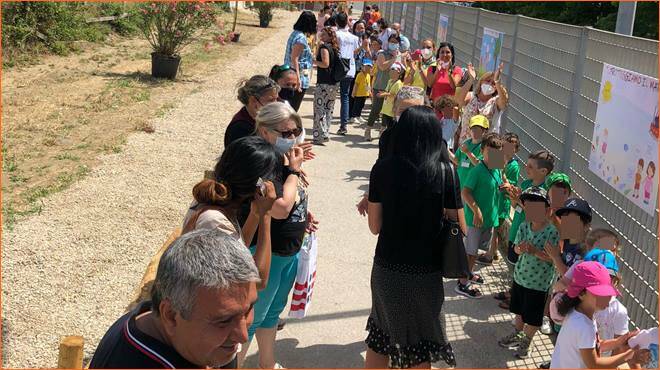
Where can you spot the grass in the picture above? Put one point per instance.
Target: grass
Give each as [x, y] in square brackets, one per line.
[67, 156]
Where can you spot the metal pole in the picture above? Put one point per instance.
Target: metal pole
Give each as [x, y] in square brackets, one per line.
[509, 77]
[571, 124]
[625, 18]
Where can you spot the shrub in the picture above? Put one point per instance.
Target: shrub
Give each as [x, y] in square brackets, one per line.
[265, 11]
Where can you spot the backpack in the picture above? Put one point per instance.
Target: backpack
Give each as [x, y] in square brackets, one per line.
[340, 67]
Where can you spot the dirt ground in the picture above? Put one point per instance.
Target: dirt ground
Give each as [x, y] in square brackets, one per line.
[61, 113]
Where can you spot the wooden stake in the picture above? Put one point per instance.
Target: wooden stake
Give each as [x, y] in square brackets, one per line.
[71, 352]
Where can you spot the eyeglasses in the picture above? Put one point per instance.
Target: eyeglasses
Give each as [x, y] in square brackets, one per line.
[283, 68]
[286, 134]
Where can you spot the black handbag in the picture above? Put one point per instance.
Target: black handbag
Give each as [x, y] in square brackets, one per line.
[454, 259]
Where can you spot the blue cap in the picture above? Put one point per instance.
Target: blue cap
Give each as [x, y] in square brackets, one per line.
[367, 62]
[605, 257]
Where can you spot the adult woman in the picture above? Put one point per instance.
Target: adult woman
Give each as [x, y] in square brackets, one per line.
[384, 32]
[287, 79]
[444, 78]
[326, 86]
[218, 200]
[298, 53]
[408, 200]
[384, 60]
[490, 99]
[253, 93]
[278, 124]
[427, 61]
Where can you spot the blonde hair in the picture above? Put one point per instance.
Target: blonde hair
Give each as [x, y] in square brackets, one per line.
[596, 234]
[272, 114]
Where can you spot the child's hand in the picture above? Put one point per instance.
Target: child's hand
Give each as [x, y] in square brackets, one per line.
[640, 356]
[524, 247]
[552, 251]
[464, 148]
[478, 219]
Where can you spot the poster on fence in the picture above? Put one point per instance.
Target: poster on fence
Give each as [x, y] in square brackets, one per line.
[418, 22]
[404, 10]
[624, 148]
[443, 26]
[491, 50]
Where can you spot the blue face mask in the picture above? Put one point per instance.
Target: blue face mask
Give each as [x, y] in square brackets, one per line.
[283, 145]
[393, 47]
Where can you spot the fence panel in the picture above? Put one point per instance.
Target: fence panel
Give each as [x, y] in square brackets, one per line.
[463, 33]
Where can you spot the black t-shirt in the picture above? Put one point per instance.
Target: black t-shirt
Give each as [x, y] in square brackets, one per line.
[411, 222]
[124, 346]
[324, 75]
[241, 125]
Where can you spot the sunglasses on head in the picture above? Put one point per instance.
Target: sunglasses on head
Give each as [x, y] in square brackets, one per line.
[286, 134]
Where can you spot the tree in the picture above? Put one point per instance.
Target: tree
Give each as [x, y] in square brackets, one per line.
[600, 15]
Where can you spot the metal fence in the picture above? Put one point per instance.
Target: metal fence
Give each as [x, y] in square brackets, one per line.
[552, 72]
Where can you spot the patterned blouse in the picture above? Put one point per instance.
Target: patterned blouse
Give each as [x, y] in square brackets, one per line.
[305, 58]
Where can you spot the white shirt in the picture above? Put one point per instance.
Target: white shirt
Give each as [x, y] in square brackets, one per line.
[577, 332]
[348, 43]
[384, 36]
[647, 339]
[611, 321]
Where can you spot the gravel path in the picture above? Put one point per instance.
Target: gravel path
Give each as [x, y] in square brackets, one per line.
[72, 269]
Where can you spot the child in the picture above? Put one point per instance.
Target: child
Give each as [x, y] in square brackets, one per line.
[647, 339]
[480, 194]
[638, 177]
[397, 72]
[446, 109]
[511, 173]
[361, 90]
[578, 345]
[533, 274]
[470, 151]
[559, 190]
[572, 249]
[648, 182]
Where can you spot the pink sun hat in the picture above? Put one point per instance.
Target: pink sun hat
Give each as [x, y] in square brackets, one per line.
[593, 277]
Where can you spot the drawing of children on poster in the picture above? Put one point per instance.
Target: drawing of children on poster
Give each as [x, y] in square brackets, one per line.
[638, 177]
[648, 182]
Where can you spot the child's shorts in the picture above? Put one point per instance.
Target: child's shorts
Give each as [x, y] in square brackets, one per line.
[477, 238]
[528, 303]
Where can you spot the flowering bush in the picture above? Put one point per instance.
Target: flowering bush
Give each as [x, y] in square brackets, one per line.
[169, 26]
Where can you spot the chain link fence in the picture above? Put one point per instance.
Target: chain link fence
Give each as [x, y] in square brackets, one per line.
[552, 72]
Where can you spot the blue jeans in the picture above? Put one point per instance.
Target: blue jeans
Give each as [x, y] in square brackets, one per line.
[345, 95]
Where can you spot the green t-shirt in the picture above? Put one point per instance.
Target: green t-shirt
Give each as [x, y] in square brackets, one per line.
[484, 184]
[512, 172]
[531, 272]
[519, 215]
[464, 165]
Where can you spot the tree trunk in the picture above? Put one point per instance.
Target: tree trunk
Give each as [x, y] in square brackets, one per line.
[233, 28]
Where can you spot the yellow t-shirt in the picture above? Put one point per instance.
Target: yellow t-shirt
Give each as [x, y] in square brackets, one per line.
[393, 88]
[417, 79]
[362, 85]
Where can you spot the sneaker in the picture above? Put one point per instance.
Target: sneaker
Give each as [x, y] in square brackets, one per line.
[342, 131]
[352, 120]
[361, 120]
[512, 340]
[477, 279]
[546, 328]
[367, 134]
[484, 260]
[544, 365]
[524, 348]
[467, 291]
[326, 139]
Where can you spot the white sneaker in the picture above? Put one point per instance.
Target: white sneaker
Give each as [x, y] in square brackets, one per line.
[546, 328]
[352, 120]
[361, 120]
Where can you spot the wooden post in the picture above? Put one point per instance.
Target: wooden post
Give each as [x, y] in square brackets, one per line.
[71, 352]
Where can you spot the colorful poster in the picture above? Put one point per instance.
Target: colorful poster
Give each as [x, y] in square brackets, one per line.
[403, 17]
[418, 22]
[624, 148]
[443, 26]
[491, 49]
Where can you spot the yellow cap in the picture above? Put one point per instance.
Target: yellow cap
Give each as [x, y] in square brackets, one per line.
[479, 120]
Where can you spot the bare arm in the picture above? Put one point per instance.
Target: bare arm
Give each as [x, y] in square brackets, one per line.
[502, 96]
[296, 51]
[375, 216]
[282, 206]
[325, 59]
[263, 253]
[461, 98]
[593, 361]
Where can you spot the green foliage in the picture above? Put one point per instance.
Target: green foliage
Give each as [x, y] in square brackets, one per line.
[265, 11]
[601, 15]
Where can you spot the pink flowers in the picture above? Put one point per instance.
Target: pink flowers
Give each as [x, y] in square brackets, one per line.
[221, 39]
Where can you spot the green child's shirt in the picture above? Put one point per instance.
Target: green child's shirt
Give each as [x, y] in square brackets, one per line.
[464, 165]
[519, 216]
[512, 173]
[530, 271]
[484, 184]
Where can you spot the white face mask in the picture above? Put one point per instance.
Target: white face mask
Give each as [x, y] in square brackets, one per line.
[283, 145]
[427, 53]
[301, 138]
[444, 65]
[487, 89]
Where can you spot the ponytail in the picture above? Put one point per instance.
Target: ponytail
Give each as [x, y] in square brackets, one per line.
[566, 304]
[211, 192]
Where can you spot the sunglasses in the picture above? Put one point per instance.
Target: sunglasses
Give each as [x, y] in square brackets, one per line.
[283, 68]
[286, 134]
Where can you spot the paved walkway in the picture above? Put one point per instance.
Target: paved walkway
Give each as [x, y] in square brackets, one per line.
[333, 335]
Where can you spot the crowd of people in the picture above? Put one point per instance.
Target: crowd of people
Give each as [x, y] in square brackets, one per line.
[441, 157]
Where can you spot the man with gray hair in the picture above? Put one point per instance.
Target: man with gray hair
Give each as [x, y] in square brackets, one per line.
[201, 307]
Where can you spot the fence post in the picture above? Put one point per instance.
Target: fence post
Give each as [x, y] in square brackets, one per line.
[509, 80]
[571, 123]
[476, 34]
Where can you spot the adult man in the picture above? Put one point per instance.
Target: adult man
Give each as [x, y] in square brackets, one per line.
[405, 43]
[348, 47]
[201, 307]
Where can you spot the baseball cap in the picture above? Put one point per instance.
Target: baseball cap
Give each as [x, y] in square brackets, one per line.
[577, 205]
[479, 120]
[367, 62]
[593, 277]
[556, 177]
[535, 193]
[397, 66]
[605, 258]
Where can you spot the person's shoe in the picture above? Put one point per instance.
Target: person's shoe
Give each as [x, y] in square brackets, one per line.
[546, 328]
[467, 291]
[512, 340]
[477, 279]
[361, 120]
[447, 354]
[544, 365]
[484, 260]
[352, 120]
[524, 348]
[280, 324]
[326, 139]
[342, 131]
[367, 134]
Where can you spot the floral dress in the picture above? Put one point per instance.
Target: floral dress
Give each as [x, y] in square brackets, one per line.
[305, 58]
[474, 107]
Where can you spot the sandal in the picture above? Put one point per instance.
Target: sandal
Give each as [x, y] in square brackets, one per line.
[475, 278]
[502, 296]
[467, 291]
[504, 304]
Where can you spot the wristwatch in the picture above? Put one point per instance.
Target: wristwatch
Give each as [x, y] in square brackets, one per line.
[297, 173]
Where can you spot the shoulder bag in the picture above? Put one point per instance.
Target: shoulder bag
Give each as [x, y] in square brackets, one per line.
[454, 259]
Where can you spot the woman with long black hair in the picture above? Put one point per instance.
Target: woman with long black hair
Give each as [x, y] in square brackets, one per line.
[408, 202]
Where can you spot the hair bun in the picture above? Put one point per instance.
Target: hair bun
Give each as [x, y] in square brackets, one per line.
[222, 191]
[209, 191]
